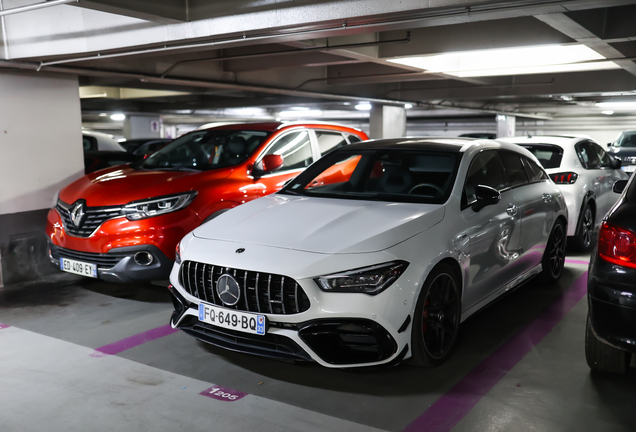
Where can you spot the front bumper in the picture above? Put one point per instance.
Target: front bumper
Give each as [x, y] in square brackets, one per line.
[118, 264]
[612, 303]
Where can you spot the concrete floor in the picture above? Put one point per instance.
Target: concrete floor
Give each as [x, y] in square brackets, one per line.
[519, 366]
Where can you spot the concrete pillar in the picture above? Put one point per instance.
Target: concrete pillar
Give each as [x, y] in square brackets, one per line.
[505, 125]
[40, 152]
[136, 126]
[387, 122]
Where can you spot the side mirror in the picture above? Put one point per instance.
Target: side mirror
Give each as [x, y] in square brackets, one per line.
[615, 163]
[268, 164]
[486, 196]
[619, 186]
[609, 145]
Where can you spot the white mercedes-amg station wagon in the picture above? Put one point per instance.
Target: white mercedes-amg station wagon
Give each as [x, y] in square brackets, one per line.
[374, 254]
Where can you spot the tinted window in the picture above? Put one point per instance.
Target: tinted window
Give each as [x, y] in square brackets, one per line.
[207, 149]
[627, 139]
[89, 143]
[514, 168]
[603, 157]
[295, 148]
[380, 175]
[328, 141]
[587, 155]
[534, 171]
[486, 169]
[549, 155]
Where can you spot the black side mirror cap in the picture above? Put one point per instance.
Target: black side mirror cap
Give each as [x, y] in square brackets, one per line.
[619, 186]
[486, 196]
[615, 162]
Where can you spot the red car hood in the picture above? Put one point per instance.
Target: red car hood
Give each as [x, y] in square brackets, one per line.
[122, 184]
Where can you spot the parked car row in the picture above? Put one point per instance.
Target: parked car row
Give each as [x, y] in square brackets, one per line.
[369, 253]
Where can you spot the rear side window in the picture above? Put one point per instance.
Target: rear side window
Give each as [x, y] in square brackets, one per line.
[514, 168]
[328, 141]
[486, 170]
[549, 155]
[534, 171]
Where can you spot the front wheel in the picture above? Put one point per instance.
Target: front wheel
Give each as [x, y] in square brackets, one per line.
[554, 255]
[437, 315]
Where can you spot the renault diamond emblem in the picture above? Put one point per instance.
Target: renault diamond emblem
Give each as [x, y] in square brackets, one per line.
[228, 290]
[77, 213]
[240, 250]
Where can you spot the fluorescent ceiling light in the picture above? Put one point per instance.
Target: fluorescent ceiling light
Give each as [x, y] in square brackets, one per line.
[617, 105]
[408, 106]
[511, 61]
[308, 113]
[299, 109]
[364, 106]
[607, 112]
[118, 116]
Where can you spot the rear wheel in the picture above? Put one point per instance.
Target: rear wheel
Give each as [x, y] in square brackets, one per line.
[603, 357]
[583, 241]
[554, 255]
[436, 322]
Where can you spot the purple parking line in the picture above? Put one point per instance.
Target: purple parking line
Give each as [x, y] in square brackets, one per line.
[133, 341]
[453, 406]
[3, 326]
[575, 261]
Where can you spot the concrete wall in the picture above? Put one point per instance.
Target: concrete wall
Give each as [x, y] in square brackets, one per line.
[40, 152]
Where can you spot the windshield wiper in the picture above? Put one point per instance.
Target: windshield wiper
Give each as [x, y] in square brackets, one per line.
[291, 192]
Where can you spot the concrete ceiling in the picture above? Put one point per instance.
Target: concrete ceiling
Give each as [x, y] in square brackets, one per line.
[207, 57]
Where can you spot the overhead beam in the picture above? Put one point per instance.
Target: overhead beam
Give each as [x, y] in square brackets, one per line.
[160, 11]
[576, 31]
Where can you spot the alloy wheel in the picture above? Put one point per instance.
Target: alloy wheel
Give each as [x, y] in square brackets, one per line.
[556, 251]
[440, 316]
[587, 227]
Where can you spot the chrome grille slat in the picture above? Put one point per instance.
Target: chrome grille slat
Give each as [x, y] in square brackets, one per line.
[197, 278]
[93, 219]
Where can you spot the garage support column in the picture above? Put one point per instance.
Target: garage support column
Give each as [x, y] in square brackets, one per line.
[142, 127]
[40, 152]
[387, 122]
[505, 125]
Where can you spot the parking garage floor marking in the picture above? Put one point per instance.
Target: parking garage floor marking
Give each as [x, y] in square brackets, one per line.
[3, 326]
[576, 261]
[453, 406]
[133, 341]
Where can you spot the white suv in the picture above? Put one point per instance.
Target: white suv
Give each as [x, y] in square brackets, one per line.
[585, 173]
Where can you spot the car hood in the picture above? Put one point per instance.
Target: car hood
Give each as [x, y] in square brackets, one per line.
[623, 151]
[322, 225]
[123, 184]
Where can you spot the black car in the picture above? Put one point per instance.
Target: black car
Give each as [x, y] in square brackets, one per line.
[610, 338]
[96, 160]
[624, 148]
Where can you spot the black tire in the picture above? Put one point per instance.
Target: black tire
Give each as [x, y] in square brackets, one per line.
[583, 241]
[436, 322]
[554, 255]
[603, 357]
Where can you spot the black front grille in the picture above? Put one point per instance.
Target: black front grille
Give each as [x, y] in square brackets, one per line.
[260, 292]
[102, 260]
[94, 217]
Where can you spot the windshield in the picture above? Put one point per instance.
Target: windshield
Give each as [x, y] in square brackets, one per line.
[380, 175]
[549, 155]
[207, 149]
[627, 139]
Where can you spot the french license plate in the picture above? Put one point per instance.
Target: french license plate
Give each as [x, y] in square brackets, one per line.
[232, 319]
[78, 267]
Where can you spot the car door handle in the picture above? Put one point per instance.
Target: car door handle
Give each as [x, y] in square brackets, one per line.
[546, 197]
[512, 210]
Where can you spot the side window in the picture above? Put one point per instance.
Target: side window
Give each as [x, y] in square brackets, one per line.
[89, 143]
[534, 171]
[486, 169]
[353, 139]
[328, 141]
[603, 157]
[514, 168]
[295, 148]
[587, 155]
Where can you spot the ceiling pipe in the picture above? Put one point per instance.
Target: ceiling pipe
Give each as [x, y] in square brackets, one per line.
[247, 87]
[405, 40]
[35, 6]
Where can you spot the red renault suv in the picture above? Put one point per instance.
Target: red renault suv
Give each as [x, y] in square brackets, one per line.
[122, 224]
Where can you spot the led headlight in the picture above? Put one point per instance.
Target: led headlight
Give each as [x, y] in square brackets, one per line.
[368, 280]
[157, 206]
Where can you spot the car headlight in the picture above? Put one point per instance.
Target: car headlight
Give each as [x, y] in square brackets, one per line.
[157, 206]
[368, 280]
